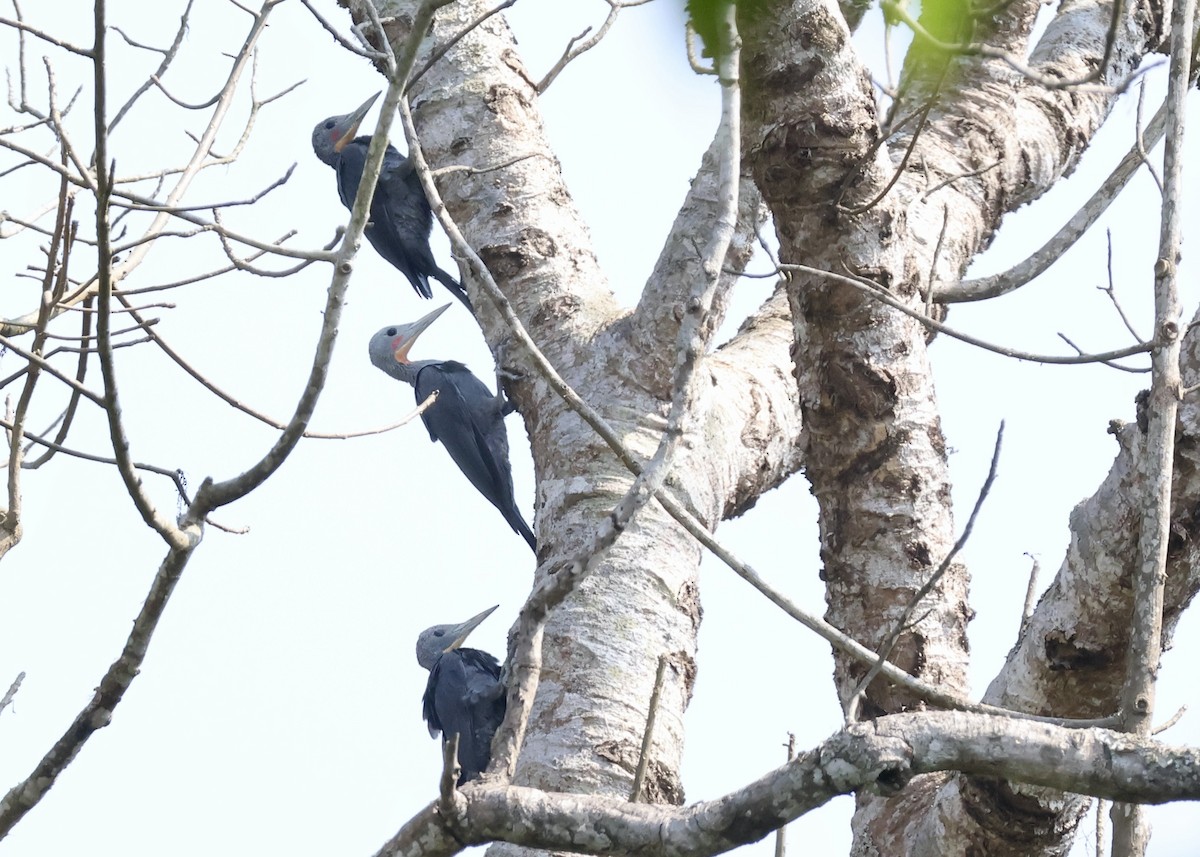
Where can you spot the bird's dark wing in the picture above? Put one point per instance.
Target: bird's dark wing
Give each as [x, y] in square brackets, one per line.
[401, 240]
[467, 419]
[464, 696]
[402, 217]
[406, 209]
[409, 218]
[349, 167]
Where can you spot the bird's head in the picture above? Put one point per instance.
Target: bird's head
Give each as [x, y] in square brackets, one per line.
[436, 641]
[389, 347]
[331, 135]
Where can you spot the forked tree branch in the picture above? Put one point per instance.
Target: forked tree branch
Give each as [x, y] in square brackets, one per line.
[185, 537]
[538, 603]
[213, 495]
[163, 525]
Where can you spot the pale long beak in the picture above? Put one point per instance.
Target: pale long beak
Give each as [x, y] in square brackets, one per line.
[462, 631]
[406, 334]
[347, 126]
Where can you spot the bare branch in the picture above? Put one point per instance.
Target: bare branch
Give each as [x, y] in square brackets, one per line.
[372, 55]
[213, 206]
[880, 756]
[41, 363]
[639, 776]
[1030, 595]
[905, 618]
[1134, 370]
[1139, 141]
[1017, 276]
[54, 446]
[1131, 830]
[168, 57]
[577, 46]
[58, 256]
[201, 105]
[11, 693]
[689, 40]
[781, 833]
[44, 36]
[1171, 721]
[215, 494]
[883, 296]
[163, 525]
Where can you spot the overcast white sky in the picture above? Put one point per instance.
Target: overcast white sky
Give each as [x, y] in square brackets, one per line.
[279, 708]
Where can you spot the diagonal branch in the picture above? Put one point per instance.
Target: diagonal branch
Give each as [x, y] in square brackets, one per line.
[215, 494]
[994, 285]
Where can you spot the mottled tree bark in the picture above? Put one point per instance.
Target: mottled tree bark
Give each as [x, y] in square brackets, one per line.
[477, 107]
[833, 380]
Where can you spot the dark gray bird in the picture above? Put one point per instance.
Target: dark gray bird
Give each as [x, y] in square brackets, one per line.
[400, 220]
[464, 694]
[467, 418]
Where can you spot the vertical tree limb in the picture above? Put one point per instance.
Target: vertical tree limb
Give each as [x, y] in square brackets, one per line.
[1131, 830]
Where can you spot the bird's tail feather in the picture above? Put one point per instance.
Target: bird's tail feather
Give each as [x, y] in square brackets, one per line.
[454, 287]
[518, 524]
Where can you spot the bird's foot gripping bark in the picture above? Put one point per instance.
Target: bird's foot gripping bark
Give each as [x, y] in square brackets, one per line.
[504, 374]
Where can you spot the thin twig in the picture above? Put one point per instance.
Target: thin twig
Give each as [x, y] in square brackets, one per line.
[345, 43]
[442, 49]
[1139, 143]
[230, 400]
[51, 369]
[952, 179]
[44, 36]
[1030, 595]
[162, 524]
[579, 45]
[639, 775]
[1171, 721]
[781, 833]
[902, 624]
[882, 295]
[994, 285]
[168, 57]
[1133, 370]
[11, 693]
[1111, 290]
[173, 475]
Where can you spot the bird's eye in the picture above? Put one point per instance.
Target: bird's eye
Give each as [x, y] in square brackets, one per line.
[329, 123]
[391, 331]
[439, 633]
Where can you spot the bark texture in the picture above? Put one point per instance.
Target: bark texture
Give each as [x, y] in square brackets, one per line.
[985, 140]
[823, 377]
[882, 756]
[477, 107]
